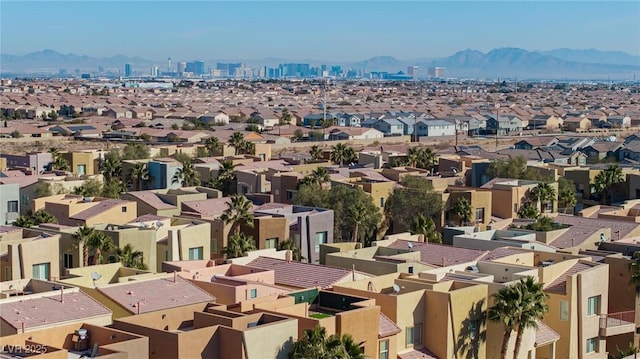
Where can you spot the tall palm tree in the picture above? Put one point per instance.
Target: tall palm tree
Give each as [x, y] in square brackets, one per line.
[427, 159]
[238, 212]
[350, 155]
[606, 179]
[320, 175]
[568, 199]
[80, 238]
[314, 344]
[130, 258]
[542, 194]
[462, 209]
[504, 311]
[100, 243]
[315, 152]
[111, 167]
[226, 175]
[532, 307]
[338, 153]
[187, 176]
[413, 156]
[236, 140]
[356, 214]
[424, 225]
[247, 148]
[238, 244]
[213, 145]
[139, 174]
[290, 245]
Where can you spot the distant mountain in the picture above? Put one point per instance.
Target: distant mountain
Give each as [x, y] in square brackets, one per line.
[592, 56]
[497, 63]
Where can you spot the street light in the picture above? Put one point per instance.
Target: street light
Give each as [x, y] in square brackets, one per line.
[497, 122]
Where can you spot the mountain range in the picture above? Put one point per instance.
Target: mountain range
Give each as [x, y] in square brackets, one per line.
[497, 63]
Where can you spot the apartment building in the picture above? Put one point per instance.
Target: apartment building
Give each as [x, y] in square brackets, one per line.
[73, 210]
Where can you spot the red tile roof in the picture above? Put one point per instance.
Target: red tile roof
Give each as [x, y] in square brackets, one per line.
[151, 199]
[423, 353]
[440, 255]
[156, 294]
[386, 327]
[47, 311]
[299, 274]
[545, 335]
[98, 209]
[559, 285]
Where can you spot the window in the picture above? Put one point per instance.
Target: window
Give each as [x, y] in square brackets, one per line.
[384, 349]
[479, 214]
[473, 328]
[564, 310]
[593, 305]
[166, 255]
[271, 243]
[515, 207]
[289, 195]
[195, 253]
[592, 345]
[414, 335]
[12, 206]
[7, 273]
[25, 200]
[68, 260]
[321, 238]
[214, 246]
[124, 209]
[41, 271]
[253, 293]
[410, 270]
[381, 202]
[81, 170]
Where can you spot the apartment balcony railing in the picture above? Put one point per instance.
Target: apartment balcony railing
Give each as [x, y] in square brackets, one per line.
[617, 323]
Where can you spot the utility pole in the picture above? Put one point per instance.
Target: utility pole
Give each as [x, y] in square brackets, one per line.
[497, 122]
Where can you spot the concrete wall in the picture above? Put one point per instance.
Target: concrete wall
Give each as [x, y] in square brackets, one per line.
[23, 256]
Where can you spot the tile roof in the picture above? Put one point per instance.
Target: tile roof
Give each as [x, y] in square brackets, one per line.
[436, 254]
[213, 207]
[423, 353]
[149, 217]
[156, 294]
[386, 327]
[545, 335]
[500, 253]
[49, 310]
[299, 274]
[582, 228]
[98, 209]
[559, 285]
[152, 199]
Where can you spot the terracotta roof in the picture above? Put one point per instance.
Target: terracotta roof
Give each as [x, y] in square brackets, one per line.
[500, 253]
[423, 353]
[47, 311]
[386, 327]
[156, 294]
[151, 199]
[213, 207]
[436, 254]
[545, 335]
[559, 285]
[299, 274]
[582, 228]
[98, 208]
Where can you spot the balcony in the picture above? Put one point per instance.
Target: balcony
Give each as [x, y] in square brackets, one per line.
[617, 323]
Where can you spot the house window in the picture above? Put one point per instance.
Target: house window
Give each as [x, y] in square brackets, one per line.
[592, 345]
[253, 293]
[474, 326]
[515, 207]
[384, 349]
[124, 209]
[214, 246]
[195, 253]
[564, 310]
[479, 214]
[414, 335]
[81, 170]
[166, 255]
[321, 238]
[25, 200]
[289, 195]
[41, 271]
[381, 202]
[271, 243]
[68, 260]
[593, 305]
[7, 273]
[12, 206]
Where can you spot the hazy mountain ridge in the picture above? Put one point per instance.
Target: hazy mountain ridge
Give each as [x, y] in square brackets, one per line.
[502, 62]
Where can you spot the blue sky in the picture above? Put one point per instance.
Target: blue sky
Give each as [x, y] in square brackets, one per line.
[313, 30]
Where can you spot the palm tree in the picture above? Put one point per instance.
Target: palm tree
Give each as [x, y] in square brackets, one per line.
[306, 181]
[42, 216]
[568, 199]
[542, 194]
[356, 214]
[606, 179]
[504, 311]
[187, 176]
[236, 140]
[350, 155]
[462, 209]
[315, 152]
[290, 245]
[338, 153]
[413, 156]
[60, 164]
[528, 211]
[238, 244]
[427, 159]
[139, 174]
[247, 148]
[213, 145]
[100, 243]
[320, 175]
[314, 344]
[111, 167]
[130, 258]
[24, 222]
[226, 175]
[531, 308]
[634, 268]
[421, 224]
[238, 212]
[80, 238]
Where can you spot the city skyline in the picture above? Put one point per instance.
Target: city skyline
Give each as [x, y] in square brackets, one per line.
[351, 30]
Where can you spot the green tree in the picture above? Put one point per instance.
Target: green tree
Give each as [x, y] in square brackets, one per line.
[136, 151]
[543, 193]
[42, 216]
[213, 145]
[90, 188]
[634, 268]
[462, 208]
[566, 194]
[80, 239]
[338, 153]
[285, 118]
[43, 189]
[515, 168]
[504, 311]
[425, 226]
[356, 214]
[138, 175]
[112, 189]
[238, 244]
[237, 141]
[531, 306]
[53, 115]
[239, 211]
[320, 175]
[186, 176]
[315, 152]
[297, 135]
[100, 243]
[290, 245]
[605, 180]
[15, 134]
[528, 211]
[130, 258]
[225, 178]
[414, 197]
[427, 159]
[111, 166]
[413, 156]
[314, 344]
[24, 221]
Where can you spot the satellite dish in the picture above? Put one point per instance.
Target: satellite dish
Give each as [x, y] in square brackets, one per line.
[396, 289]
[96, 275]
[602, 237]
[159, 224]
[410, 245]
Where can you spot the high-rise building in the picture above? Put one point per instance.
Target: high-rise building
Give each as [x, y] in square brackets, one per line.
[127, 70]
[181, 67]
[196, 67]
[437, 72]
[154, 71]
[413, 72]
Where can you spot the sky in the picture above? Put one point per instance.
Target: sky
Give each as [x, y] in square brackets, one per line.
[300, 30]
